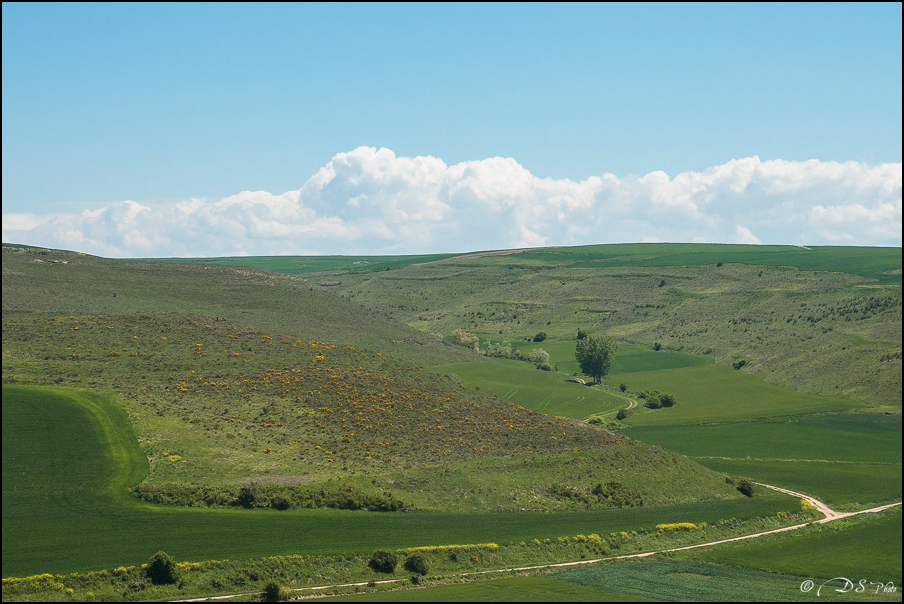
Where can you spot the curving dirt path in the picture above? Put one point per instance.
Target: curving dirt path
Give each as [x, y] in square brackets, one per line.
[829, 513]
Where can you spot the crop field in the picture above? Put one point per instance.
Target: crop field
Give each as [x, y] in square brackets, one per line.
[841, 485]
[878, 263]
[867, 547]
[517, 589]
[543, 391]
[715, 393]
[68, 454]
[853, 437]
[681, 581]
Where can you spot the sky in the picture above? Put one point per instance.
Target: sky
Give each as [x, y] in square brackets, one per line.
[156, 130]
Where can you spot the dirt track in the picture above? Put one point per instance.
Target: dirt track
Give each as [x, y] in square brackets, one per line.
[829, 513]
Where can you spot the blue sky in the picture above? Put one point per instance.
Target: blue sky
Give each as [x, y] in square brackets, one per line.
[118, 113]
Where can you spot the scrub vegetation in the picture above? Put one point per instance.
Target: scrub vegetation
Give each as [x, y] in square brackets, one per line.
[224, 412]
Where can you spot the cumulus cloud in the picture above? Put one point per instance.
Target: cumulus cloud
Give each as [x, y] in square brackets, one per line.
[369, 201]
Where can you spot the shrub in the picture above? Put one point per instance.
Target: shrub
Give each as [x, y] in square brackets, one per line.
[162, 569]
[416, 563]
[539, 357]
[247, 497]
[273, 592]
[622, 414]
[383, 561]
[739, 364]
[463, 338]
[623, 387]
[746, 487]
[540, 336]
[667, 400]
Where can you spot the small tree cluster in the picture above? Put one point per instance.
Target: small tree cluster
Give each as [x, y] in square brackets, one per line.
[463, 338]
[656, 399]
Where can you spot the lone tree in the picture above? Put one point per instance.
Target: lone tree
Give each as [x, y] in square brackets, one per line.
[595, 355]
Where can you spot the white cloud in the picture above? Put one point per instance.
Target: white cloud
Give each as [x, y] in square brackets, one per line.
[743, 235]
[369, 201]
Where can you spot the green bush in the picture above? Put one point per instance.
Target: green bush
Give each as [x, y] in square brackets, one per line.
[273, 592]
[622, 414]
[416, 563]
[162, 569]
[540, 336]
[383, 561]
[746, 487]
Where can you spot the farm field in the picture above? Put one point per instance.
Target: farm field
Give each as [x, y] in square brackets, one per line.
[867, 546]
[685, 581]
[849, 437]
[68, 455]
[517, 589]
[543, 391]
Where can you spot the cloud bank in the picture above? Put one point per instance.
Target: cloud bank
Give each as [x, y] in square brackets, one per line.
[369, 201]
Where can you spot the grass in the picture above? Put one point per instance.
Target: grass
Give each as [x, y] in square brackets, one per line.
[684, 581]
[543, 391]
[833, 437]
[840, 485]
[823, 332]
[867, 546]
[58, 520]
[715, 393]
[514, 589]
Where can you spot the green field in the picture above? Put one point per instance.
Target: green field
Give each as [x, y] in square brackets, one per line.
[841, 485]
[876, 263]
[517, 589]
[680, 581]
[867, 546]
[712, 393]
[853, 437]
[69, 455]
[543, 391]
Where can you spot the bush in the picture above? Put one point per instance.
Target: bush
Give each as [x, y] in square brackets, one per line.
[416, 563]
[540, 336]
[274, 593]
[623, 387]
[383, 561]
[746, 487]
[247, 497]
[539, 357]
[162, 569]
[622, 414]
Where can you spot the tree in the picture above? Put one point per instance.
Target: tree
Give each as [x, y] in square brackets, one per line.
[162, 569]
[383, 561]
[463, 338]
[595, 355]
[538, 356]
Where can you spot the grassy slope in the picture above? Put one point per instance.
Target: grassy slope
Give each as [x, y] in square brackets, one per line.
[818, 331]
[63, 454]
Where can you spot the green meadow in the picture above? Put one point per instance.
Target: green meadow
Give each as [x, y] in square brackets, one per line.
[543, 391]
[514, 589]
[866, 546]
[68, 455]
